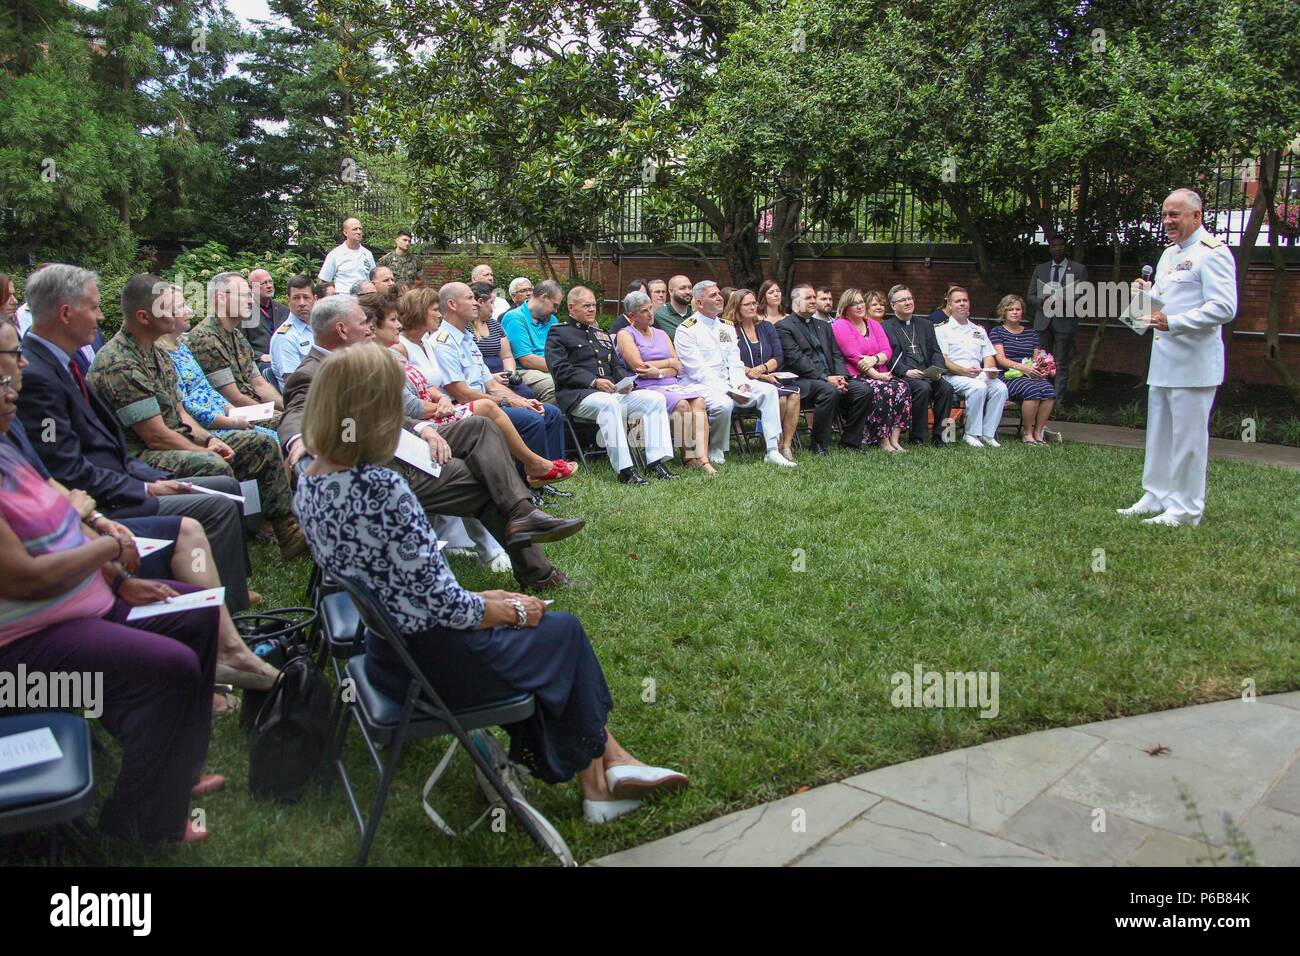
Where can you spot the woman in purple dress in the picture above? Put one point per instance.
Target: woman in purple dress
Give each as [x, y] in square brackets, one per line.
[649, 352]
[1017, 348]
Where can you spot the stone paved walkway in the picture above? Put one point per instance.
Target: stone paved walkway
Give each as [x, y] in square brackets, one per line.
[1037, 800]
[1256, 453]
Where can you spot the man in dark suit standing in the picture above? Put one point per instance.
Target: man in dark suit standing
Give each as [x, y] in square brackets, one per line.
[79, 440]
[916, 348]
[477, 476]
[269, 316]
[1051, 297]
[813, 355]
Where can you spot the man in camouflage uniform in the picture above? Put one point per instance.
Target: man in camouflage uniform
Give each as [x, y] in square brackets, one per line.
[223, 352]
[137, 380]
[402, 261]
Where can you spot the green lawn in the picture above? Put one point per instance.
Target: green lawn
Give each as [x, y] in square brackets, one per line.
[769, 679]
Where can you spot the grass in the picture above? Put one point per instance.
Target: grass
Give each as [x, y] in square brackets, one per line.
[767, 679]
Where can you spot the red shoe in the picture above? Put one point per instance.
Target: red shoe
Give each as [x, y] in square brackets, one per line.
[560, 469]
[208, 783]
[193, 834]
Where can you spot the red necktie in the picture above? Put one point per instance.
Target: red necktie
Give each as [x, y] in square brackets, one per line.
[76, 377]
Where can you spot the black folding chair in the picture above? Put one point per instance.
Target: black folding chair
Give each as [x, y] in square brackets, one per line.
[388, 724]
[55, 793]
[584, 442]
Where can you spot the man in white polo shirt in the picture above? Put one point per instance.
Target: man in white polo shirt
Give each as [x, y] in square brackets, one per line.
[349, 262]
[972, 370]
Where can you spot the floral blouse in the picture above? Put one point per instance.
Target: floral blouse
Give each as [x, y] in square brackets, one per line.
[419, 385]
[366, 522]
[200, 399]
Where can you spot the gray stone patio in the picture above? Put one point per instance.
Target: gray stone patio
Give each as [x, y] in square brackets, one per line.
[1089, 795]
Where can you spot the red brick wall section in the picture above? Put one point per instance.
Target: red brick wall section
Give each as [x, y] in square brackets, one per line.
[1122, 351]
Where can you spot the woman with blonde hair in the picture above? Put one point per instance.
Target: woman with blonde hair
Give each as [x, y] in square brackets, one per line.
[1025, 370]
[761, 354]
[361, 519]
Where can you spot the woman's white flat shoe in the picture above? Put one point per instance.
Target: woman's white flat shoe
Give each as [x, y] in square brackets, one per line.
[603, 811]
[629, 781]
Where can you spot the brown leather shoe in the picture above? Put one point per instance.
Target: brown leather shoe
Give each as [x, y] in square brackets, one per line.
[289, 536]
[553, 581]
[537, 527]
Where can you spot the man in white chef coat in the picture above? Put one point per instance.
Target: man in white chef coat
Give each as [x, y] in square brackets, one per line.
[1196, 281]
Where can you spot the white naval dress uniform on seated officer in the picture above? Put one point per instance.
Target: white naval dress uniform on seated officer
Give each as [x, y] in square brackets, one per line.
[1196, 279]
[710, 357]
[966, 344]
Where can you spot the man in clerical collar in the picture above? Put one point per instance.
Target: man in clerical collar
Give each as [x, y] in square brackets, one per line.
[916, 349]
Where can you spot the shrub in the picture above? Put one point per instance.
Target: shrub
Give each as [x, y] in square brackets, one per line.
[193, 269]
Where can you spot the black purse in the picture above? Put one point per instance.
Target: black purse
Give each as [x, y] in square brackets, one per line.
[290, 738]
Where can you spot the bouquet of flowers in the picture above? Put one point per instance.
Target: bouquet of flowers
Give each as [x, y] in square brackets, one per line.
[1042, 362]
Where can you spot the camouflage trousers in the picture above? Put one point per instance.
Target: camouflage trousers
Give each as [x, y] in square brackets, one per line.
[257, 458]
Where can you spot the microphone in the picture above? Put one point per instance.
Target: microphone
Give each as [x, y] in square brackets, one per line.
[1146, 273]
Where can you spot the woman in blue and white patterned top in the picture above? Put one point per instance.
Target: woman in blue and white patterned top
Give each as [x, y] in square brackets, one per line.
[363, 520]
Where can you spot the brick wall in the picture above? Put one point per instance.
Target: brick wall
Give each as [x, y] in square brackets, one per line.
[1122, 351]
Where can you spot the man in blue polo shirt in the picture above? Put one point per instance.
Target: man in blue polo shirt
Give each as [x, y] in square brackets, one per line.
[526, 327]
[466, 379]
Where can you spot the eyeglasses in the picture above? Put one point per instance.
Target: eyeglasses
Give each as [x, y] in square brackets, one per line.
[6, 381]
[16, 353]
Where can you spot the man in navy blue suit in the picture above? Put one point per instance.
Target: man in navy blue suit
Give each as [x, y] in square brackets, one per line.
[80, 441]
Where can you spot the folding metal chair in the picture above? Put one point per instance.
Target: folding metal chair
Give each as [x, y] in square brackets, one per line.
[55, 793]
[388, 724]
[583, 439]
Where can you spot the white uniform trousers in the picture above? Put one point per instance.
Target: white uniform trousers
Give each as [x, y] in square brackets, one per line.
[985, 399]
[1178, 449]
[719, 405]
[611, 411]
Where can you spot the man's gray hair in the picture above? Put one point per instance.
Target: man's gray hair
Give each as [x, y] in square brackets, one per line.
[358, 288]
[549, 289]
[220, 281]
[701, 287]
[56, 285]
[447, 291]
[1189, 196]
[330, 309]
[633, 301]
[517, 281]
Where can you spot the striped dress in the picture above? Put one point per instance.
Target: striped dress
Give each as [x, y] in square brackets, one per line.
[45, 523]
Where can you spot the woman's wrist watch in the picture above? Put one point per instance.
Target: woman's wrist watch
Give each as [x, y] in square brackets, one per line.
[521, 615]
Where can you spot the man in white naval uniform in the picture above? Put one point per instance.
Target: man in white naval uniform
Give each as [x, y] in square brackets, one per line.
[710, 358]
[1196, 281]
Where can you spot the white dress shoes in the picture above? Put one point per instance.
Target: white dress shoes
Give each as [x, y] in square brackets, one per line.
[972, 441]
[992, 442]
[776, 458]
[627, 781]
[1169, 521]
[1146, 505]
[603, 811]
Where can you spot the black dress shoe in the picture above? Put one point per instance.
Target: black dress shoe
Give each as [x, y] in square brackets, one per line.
[660, 470]
[553, 581]
[537, 527]
[940, 443]
[819, 450]
[551, 491]
[630, 476]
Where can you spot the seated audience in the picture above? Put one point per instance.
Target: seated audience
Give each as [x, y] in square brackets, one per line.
[867, 355]
[268, 316]
[9, 302]
[825, 304]
[64, 599]
[200, 399]
[292, 337]
[436, 407]
[492, 342]
[80, 440]
[585, 366]
[526, 326]
[657, 289]
[972, 371]
[474, 647]
[476, 479]
[322, 289]
[648, 352]
[462, 374]
[137, 380]
[677, 308]
[770, 307]
[223, 353]
[498, 306]
[521, 290]
[381, 277]
[1017, 348]
[916, 349]
[710, 359]
[761, 355]
[810, 351]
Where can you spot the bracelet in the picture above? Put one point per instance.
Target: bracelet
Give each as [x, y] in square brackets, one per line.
[520, 614]
[120, 548]
[120, 577]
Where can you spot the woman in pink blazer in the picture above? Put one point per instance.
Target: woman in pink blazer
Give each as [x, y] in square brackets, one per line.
[867, 356]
